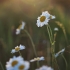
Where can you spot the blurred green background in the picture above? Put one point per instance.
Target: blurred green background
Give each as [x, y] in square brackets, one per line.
[12, 12]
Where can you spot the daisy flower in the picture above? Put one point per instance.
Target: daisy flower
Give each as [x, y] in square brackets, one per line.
[45, 68]
[57, 54]
[17, 63]
[20, 28]
[37, 59]
[44, 19]
[17, 48]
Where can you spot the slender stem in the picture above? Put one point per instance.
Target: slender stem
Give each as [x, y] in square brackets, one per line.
[1, 66]
[31, 42]
[65, 61]
[54, 57]
[52, 41]
[20, 53]
[65, 36]
[57, 63]
[49, 34]
[32, 45]
[54, 51]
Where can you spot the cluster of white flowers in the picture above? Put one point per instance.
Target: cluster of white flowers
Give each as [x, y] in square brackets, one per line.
[17, 63]
[44, 67]
[57, 54]
[20, 28]
[37, 59]
[18, 48]
[44, 19]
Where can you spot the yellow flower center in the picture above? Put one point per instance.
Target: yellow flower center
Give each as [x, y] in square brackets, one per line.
[14, 63]
[17, 48]
[42, 18]
[21, 67]
[50, 17]
[19, 26]
[38, 58]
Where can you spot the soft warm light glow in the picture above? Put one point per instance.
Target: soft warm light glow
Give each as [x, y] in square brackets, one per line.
[29, 8]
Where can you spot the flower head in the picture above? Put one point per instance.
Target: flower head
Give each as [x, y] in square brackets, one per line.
[44, 19]
[20, 28]
[37, 59]
[45, 68]
[61, 51]
[17, 63]
[17, 48]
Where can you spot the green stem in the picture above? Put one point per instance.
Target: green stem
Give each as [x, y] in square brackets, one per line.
[50, 37]
[49, 34]
[57, 63]
[65, 61]
[1, 66]
[20, 53]
[65, 37]
[52, 41]
[55, 58]
[32, 45]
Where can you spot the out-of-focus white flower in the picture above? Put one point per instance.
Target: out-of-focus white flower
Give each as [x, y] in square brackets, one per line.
[20, 28]
[44, 19]
[45, 68]
[57, 54]
[56, 29]
[37, 59]
[17, 48]
[17, 63]
[17, 31]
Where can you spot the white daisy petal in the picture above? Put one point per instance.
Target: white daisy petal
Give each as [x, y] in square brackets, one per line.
[22, 47]
[42, 58]
[53, 17]
[13, 51]
[27, 65]
[32, 60]
[17, 31]
[37, 59]
[56, 29]
[23, 25]
[44, 67]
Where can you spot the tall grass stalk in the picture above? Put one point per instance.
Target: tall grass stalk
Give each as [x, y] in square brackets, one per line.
[33, 46]
[65, 61]
[1, 66]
